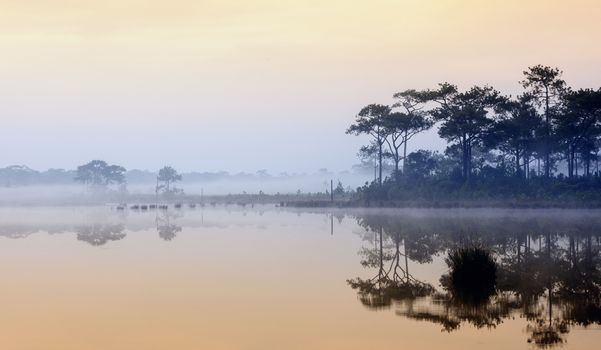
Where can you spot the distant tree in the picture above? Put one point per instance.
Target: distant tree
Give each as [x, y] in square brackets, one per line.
[262, 173]
[167, 177]
[98, 173]
[464, 117]
[544, 83]
[370, 121]
[339, 190]
[369, 154]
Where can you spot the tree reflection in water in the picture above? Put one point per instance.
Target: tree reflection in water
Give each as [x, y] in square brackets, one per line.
[165, 227]
[472, 276]
[100, 234]
[392, 281]
[547, 271]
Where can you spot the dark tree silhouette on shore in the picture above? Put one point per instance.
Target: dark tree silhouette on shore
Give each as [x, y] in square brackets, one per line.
[515, 132]
[496, 144]
[403, 125]
[370, 121]
[579, 126]
[464, 117]
[544, 83]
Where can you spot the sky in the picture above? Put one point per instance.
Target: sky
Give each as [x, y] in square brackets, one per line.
[248, 85]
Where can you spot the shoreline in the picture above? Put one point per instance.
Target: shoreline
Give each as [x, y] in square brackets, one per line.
[283, 201]
[448, 204]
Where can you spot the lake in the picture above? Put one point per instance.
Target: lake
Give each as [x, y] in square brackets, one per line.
[272, 278]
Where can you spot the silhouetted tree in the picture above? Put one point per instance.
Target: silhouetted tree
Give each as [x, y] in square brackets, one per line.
[465, 117]
[420, 163]
[497, 146]
[402, 126]
[515, 131]
[370, 121]
[579, 125]
[544, 83]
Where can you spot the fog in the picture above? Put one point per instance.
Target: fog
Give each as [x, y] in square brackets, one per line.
[19, 222]
[74, 193]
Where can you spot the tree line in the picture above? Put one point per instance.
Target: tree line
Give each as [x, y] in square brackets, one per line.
[99, 176]
[549, 131]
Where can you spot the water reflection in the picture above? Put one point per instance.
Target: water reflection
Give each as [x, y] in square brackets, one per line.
[100, 234]
[547, 262]
[101, 225]
[166, 228]
[547, 271]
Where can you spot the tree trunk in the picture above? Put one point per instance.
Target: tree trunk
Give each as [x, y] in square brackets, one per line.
[517, 163]
[469, 161]
[380, 162]
[588, 166]
[375, 169]
[570, 157]
[465, 155]
[397, 160]
[405, 152]
[547, 136]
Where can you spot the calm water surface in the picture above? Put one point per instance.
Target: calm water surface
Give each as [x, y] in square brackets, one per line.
[266, 278]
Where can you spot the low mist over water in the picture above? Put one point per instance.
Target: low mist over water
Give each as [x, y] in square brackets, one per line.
[20, 185]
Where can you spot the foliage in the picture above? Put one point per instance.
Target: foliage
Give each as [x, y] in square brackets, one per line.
[473, 274]
[166, 178]
[98, 173]
[371, 121]
[545, 85]
[543, 144]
